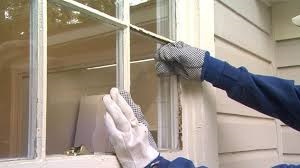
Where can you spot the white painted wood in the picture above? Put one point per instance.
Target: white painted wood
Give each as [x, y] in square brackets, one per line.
[38, 80]
[237, 133]
[233, 28]
[168, 106]
[229, 106]
[239, 57]
[282, 14]
[59, 161]
[195, 26]
[291, 73]
[250, 159]
[279, 141]
[256, 12]
[123, 47]
[291, 159]
[287, 53]
[290, 141]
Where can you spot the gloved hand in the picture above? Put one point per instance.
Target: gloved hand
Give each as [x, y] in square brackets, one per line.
[129, 136]
[180, 59]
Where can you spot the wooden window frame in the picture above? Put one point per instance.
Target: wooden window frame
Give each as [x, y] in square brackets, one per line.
[38, 85]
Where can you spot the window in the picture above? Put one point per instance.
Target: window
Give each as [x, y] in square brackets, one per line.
[14, 83]
[46, 62]
[89, 49]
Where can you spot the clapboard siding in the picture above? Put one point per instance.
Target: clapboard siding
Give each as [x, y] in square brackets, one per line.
[282, 13]
[238, 133]
[290, 140]
[239, 57]
[246, 138]
[287, 53]
[291, 159]
[256, 12]
[291, 73]
[230, 26]
[229, 106]
[250, 159]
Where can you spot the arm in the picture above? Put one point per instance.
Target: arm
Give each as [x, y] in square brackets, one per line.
[272, 96]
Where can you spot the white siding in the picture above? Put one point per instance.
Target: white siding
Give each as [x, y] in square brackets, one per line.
[288, 63]
[254, 11]
[233, 28]
[282, 14]
[287, 53]
[246, 137]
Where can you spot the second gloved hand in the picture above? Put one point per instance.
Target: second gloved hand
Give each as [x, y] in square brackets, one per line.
[180, 59]
[127, 130]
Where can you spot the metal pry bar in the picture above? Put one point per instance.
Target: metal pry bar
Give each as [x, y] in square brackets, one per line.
[158, 38]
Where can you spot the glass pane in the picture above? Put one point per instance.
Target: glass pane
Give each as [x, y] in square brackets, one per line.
[141, 47]
[148, 90]
[152, 15]
[14, 72]
[143, 88]
[106, 6]
[81, 68]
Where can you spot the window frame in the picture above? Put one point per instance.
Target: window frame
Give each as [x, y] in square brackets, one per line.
[38, 83]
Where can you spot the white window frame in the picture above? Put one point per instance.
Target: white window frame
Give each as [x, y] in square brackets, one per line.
[198, 127]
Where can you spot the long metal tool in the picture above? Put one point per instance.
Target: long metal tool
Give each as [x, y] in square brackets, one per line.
[158, 38]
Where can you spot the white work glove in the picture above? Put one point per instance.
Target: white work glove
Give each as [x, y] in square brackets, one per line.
[180, 59]
[128, 136]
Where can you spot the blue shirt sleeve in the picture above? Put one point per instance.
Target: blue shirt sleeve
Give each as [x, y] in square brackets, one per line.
[179, 162]
[272, 96]
[287, 166]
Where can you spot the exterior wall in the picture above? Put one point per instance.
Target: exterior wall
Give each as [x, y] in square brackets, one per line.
[282, 14]
[243, 38]
[288, 64]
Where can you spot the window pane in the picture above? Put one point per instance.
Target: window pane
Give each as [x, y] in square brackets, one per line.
[106, 6]
[81, 68]
[152, 93]
[14, 72]
[144, 88]
[137, 42]
[152, 15]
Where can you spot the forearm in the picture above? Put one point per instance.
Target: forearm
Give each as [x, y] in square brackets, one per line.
[272, 96]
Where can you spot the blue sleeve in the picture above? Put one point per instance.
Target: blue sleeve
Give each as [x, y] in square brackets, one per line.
[287, 166]
[180, 162]
[272, 96]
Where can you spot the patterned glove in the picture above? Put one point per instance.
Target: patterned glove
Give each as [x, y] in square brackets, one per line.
[128, 136]
[138, 114]
[180, 59]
